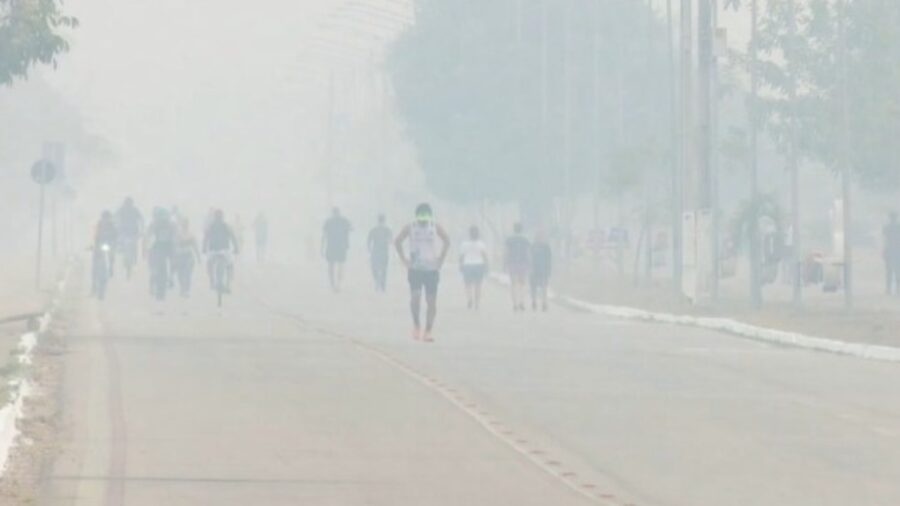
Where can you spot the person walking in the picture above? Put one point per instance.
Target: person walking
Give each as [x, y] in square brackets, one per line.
[891, 253]
[187, 255]
[541, 268]
[517, 259]
[379, 244]
[335, 243]
[423, 263]
[473, 262]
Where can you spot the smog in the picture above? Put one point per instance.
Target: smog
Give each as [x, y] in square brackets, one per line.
[449, 252]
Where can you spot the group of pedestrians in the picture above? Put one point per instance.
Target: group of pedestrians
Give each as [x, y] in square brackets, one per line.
[422, 247]
[529, 263]
[169, 245]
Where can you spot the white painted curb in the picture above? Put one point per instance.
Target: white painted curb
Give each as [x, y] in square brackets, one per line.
[734, 327]
[21, 389]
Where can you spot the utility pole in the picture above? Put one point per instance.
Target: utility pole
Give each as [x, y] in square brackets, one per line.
[596, 98]
[648, 187]
[329, 165]
[794, 168]
[688, 148]
[846, 189]
[719, 44]
[755, 282]
[675, 155]
[704, 98]
[545, 84]
[705, 270]
[567, 206]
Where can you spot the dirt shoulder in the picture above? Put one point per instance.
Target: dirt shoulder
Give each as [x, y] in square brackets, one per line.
[39, 426]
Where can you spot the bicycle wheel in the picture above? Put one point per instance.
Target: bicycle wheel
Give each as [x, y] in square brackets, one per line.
[219, 272]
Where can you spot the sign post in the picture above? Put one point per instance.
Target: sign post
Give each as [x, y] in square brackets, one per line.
[42, 172]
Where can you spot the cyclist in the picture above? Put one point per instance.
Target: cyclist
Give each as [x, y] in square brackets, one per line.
[130, 225]
[219, 241]
[186, 255]
[335, 243]
[105, 240]
[424, 264]
[161, 237]
[517, 265]
[473, 262]
[379, 243]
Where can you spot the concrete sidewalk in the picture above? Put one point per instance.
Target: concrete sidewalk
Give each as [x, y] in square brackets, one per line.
[875, 319]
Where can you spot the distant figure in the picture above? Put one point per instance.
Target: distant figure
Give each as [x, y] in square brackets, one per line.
[187, 255]
[238, 228]
[541, 268]
[335, 243]
[473, 262]
[517, 259]
[160, 248]
[424, 264]
[379, 244]
[219, 242]
[130, 224]
[105, 240]
[892, 255]
[261, 234]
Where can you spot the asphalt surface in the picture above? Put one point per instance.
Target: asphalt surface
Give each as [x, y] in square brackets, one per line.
[294, 395]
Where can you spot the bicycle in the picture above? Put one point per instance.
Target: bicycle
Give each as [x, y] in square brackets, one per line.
[159, 273]
[218, 268]
[100, 270]
[129, 247]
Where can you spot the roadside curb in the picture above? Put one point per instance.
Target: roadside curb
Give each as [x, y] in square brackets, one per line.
[733, 327]
[22, 388]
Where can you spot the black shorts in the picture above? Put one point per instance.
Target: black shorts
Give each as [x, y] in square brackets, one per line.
[428, 280]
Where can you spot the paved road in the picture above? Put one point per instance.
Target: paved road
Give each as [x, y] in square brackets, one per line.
[294, 395]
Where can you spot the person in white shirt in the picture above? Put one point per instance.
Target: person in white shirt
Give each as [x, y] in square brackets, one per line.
[473, 261]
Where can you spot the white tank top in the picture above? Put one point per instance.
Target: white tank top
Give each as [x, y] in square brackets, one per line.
[423, 247]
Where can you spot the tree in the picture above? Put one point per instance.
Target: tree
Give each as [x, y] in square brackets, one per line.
[784, 51]
[30, 34]
[834, 91]
[492, 119]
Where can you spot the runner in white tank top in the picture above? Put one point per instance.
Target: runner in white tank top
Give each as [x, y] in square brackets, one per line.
[424, 263]
[423, 248]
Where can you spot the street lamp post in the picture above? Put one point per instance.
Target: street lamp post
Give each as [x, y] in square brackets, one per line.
[755, 281]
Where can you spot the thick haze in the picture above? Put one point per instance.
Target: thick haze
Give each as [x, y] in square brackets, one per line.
[206, 103]
[192, 96]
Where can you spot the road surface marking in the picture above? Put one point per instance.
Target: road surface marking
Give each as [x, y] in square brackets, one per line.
[536, 457]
